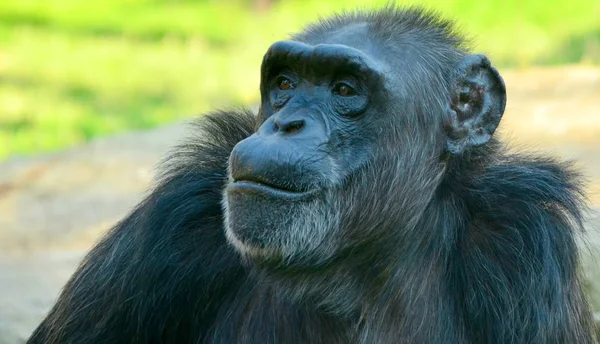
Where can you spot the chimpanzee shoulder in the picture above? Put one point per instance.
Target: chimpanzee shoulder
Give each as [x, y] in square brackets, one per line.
[523, 216]
[147, 269]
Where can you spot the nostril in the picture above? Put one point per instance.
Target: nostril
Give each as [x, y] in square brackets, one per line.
[293, 127]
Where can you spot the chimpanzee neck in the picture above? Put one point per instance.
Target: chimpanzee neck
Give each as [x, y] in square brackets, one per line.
[406, 287]
[412, 267]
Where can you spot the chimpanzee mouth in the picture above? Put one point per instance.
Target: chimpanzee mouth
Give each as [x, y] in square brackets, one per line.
[263, 187]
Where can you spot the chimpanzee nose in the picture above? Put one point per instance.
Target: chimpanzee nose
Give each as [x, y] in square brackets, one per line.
[289, 126]
[303, 127]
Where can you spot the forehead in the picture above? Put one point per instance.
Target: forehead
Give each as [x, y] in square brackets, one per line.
[356, 36]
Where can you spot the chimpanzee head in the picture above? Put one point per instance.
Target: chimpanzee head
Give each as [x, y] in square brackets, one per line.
[359, 116]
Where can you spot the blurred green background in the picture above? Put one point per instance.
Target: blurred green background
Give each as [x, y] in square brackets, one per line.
[72, 70]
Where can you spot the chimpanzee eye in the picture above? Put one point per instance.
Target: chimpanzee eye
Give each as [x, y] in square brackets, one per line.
[284, 83]
[343, 90]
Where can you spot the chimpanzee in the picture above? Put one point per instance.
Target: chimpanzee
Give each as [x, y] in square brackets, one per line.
[366, 202]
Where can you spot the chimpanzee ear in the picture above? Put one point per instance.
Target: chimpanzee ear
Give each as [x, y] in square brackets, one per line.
[477, 105]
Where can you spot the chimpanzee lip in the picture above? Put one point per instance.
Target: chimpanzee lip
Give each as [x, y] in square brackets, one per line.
[269, 189]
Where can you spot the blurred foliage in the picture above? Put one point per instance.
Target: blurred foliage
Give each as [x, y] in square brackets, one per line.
[71, 70]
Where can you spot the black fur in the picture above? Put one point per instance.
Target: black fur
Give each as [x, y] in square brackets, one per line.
[492, 258]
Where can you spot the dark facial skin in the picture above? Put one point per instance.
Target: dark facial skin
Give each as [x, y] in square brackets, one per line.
[312, 96]
[315, 100]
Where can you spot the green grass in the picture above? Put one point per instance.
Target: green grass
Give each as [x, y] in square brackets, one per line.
[72, 70]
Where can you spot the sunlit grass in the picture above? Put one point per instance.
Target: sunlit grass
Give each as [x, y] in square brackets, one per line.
[73, 70]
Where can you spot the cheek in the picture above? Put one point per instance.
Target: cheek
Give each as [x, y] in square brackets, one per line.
[279, 98]
[352, 147]
[350, 106]
[387, 195]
